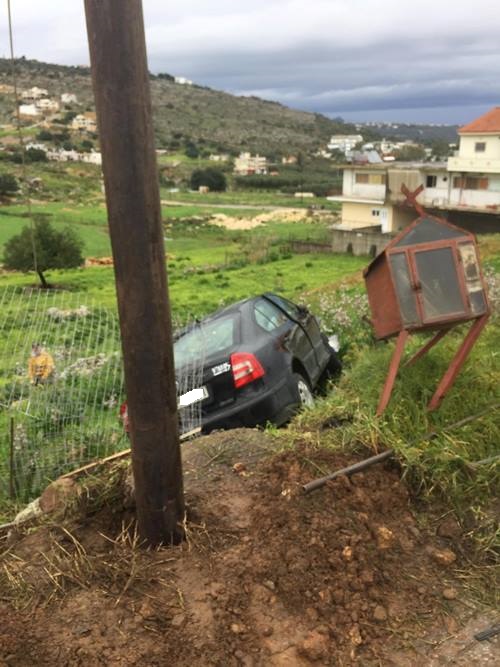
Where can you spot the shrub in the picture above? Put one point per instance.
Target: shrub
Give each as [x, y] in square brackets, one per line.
[8, 184]
[212, 178]
[54, 249]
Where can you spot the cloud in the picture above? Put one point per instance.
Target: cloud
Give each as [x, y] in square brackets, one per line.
[331, 56]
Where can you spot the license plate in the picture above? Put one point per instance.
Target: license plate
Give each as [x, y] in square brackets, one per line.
[193, 396]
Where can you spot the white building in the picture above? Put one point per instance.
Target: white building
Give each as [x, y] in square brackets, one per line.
[34, 93]
[85, 122]
[46, 104]
[63, 156]
[28, 110]
[94, 157]
[344, 142]
[69, 98]
[465, 189]
[183, 81]
[247, 165]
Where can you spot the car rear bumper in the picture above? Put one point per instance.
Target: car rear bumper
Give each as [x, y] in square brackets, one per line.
[273, 405]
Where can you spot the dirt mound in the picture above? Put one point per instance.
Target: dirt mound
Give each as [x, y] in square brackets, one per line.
[281, 215]
[267, 576]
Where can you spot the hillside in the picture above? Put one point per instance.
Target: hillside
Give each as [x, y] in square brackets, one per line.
[183, 114]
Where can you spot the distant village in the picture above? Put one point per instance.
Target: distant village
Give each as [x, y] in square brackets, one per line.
[457, 179]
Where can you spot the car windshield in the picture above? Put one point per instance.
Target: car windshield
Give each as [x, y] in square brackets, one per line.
[205, 340]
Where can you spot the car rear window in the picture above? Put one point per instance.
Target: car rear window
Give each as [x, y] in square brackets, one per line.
[204, 340]
[268, 316]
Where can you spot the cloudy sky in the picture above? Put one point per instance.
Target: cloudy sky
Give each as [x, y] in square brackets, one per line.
[431, 61]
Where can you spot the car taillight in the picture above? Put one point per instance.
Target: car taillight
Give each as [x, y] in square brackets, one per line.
[246, 368]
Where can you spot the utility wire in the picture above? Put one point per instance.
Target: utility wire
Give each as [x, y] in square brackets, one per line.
[21, 143]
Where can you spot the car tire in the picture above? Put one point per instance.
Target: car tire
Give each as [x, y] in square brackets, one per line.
[304, 394]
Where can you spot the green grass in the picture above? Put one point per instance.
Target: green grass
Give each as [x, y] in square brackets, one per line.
[249, 198]
[444, 468]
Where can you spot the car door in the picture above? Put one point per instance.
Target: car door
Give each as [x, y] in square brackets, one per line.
[301, 335]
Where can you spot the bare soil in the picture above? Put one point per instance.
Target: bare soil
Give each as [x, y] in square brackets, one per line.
[348, 575]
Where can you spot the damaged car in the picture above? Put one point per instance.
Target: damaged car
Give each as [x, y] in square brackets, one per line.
[259, 361]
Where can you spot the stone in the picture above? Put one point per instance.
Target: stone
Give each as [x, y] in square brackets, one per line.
[178, 621]
[31, 511]
[270, 585]
[314, 647]
[450, 528]
[442, 556]
[385, 537]
[237, 629]
[267, 631]
[379, 613]
[347, 553]
[355, 635]
[59, 495]
[450, 594]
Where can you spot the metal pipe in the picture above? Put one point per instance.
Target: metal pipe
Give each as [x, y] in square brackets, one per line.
[379, 458]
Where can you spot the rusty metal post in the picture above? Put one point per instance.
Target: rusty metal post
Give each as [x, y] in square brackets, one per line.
[458, 361]
[428, 346]
[123, 103]
[393, 371]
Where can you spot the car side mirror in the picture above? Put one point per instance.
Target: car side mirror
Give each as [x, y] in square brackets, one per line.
[303, 311]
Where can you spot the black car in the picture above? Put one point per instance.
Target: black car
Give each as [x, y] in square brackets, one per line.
[259, 360]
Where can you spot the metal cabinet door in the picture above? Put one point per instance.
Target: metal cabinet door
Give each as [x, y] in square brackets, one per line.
[439, 286]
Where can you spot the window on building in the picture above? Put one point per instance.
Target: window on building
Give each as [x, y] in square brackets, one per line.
[480, 146]
[376, 212]
[430, 181]
[371, 179]
[470, 183]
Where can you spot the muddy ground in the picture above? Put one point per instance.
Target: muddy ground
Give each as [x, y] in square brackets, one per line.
[349, 575]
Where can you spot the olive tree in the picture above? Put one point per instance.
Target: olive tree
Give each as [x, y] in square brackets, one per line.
[41, 248]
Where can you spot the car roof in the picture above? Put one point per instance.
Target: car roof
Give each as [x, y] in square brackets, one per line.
[232, 309]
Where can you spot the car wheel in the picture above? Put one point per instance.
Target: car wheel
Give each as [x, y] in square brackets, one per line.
[304, 393]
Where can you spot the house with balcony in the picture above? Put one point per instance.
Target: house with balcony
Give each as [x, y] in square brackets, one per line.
[344, 143]
[247, 165]
[85, 122]
[464, 190]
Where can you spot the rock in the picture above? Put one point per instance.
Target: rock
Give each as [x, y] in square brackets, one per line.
[450, 594]
[239, 468]
[385, 537]
[314, 647]
[237, 629]
[379, 613]
[347, 553]
[270, 585]
[355, 635]
[146, 610]
[31, 511]
[312, 614]
[442, 556]
[267, 631]
[450, 528]
[59, 495]
[451, 625]
[338, 595]
[325, 596]
[178, 621]
[216, 589]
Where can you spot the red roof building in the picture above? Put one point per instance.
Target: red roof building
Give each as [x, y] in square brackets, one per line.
[488, 123]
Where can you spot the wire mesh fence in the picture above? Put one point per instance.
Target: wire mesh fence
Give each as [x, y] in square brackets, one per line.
[61, 381]
[61, 387]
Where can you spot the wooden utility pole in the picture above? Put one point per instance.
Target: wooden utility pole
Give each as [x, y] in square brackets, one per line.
[123, 102]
